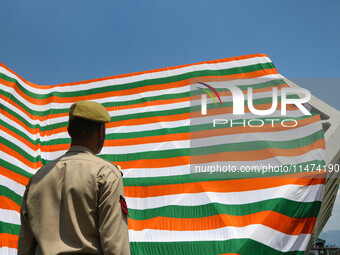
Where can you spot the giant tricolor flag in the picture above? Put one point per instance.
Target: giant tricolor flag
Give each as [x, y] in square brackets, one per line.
[153, 137]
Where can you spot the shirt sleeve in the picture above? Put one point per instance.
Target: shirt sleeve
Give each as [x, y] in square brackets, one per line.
[27, 242]
[112, 220]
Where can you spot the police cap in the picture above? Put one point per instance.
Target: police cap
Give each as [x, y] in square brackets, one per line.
[89, 110]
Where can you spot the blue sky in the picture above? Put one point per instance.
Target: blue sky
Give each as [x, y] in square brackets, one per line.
[51, 42]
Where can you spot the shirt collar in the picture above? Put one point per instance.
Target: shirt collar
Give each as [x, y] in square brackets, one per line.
[78, 148]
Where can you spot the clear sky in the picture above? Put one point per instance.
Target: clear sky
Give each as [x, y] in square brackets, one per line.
[51, 42]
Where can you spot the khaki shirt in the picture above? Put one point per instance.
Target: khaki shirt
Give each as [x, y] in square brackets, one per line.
[73, 205]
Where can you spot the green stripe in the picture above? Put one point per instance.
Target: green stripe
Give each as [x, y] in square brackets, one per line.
[134, 116]
[148, 155]
[6, 192]
[20, 133]
[280, 205]
[258, 145]
[147, 133]
[228, 147]
[135, 101]
[14, 168]
[203, 177]
[109, 104]
[240, 246]
[183, 110]
[20, 150]
[150, 114]
[131, 116]
[33, 126]
[115, 136]
[172, 153]
[242, 146]
[141, 84]
[9, 228]
[165, 131]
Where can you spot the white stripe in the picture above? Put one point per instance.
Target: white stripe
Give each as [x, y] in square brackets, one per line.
[19, 127]
[154, 108]
[131, 129]
[286, 135]
[54, 155]
[159, 125]
[240, 82]
[34, 153]
[10, 216]
[147, 147]
[199, 120]
[8, 137]
[138, 95]
[8, 251]
[173, 106]
[116, 113]
[156, 172]
[149, 127]
[317, 154]
[196, 121]
[292, 134]
[131, 97]
[14, 161]
[140, 77]
[119, 129]
[119, 150]
[113, 113]
[260, 233]
[33, 121]
[45, 155]
[154, 126]
[298, 193]
[12, 185]
[191, 87]
[55, 136]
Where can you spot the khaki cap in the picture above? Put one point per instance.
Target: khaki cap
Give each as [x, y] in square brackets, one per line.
[89, 110]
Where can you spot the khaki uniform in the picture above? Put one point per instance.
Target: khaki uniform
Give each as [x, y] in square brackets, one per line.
[74, 205]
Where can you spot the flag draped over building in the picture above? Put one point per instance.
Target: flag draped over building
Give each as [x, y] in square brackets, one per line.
[171, 211]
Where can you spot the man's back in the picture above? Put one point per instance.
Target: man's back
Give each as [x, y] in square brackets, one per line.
[73, 206]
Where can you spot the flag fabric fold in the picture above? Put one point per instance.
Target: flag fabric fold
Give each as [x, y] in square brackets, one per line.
[156, 135]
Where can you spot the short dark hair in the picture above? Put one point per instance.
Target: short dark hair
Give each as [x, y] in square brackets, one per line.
[80, 128]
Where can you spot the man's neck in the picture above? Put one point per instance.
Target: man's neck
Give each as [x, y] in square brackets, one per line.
[87, 144]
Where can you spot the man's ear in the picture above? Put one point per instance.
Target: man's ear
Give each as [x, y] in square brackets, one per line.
[101, 132]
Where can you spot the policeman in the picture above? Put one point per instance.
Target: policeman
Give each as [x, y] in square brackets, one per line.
[75, 204]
